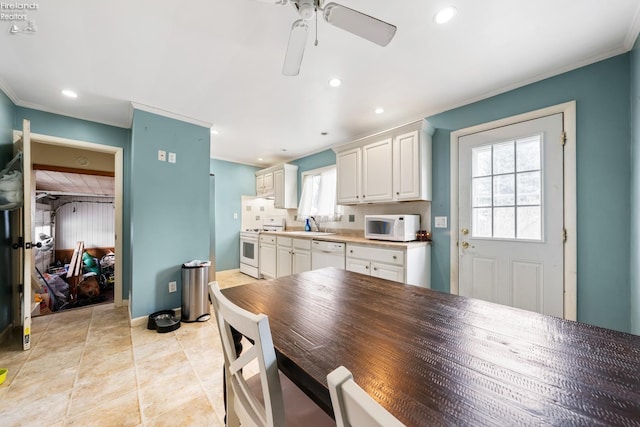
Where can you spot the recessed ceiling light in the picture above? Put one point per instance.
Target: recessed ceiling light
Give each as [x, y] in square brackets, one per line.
[445, 15]
[214, 132]
[260, 159]
[69, 93]
[379, 110]
[335, 82]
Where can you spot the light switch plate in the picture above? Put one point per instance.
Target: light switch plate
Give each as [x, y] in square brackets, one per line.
[172, 157]
[235, 215]
[440, 222]
[173, 286]
[162, 155]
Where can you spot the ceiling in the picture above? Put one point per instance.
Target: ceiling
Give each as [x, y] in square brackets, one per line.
[219, 63]
[61, 183]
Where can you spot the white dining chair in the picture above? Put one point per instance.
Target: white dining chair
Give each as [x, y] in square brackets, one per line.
[269, 398]
[352, 406]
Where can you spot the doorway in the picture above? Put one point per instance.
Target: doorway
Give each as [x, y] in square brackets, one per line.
[512, 207]
[116, 153]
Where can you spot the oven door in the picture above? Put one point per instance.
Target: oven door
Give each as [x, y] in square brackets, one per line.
[249, 251]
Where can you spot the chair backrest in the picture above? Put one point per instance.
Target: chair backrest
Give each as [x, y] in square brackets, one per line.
[256, 328]
[352, 406]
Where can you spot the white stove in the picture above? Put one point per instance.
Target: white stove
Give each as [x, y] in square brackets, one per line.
[250, 248]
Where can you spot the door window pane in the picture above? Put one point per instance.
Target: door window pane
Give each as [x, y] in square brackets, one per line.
[529, 223]
[481, 222]
[481, 161]
[528, 154]
[481, 192]
[503, 158]
[504, 223]
[504, 191]
[529, 190]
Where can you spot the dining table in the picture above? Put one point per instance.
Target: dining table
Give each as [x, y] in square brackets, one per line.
[433, 358]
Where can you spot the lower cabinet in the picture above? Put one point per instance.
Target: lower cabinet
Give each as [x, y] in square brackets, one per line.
[410, 265]
[268, 256]
[294, 256]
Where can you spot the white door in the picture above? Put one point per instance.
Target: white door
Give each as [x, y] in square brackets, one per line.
[283, 258]
[389, 272]
[301, 261]
[25, 219]
[358, 266]
[511, 215]
[406, 166]
[348, 172]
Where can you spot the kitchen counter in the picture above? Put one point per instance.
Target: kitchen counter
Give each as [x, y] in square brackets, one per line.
[346, 238]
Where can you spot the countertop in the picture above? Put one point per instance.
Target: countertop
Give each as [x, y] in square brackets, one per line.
[357, 238]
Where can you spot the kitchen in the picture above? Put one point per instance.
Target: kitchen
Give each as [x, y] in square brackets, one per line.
[279, 237]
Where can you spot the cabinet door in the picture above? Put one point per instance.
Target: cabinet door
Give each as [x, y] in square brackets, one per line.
[268, 182]
[348, 176]
[259, 185]
[301, 261]
[389, 272]
[358, 266]
[377, 174]
[283, 261]
[268, 261]
[406, 167]
[278, 189]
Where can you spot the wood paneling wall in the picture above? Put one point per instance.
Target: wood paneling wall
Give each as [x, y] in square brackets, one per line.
[92, 221]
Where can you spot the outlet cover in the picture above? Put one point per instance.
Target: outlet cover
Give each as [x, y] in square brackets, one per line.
[173, 286]
[440, 222]
[172, 157]
[352, 218]
[162, 155]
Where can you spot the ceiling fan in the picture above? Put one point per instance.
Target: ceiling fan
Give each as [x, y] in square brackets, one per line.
[350, 20]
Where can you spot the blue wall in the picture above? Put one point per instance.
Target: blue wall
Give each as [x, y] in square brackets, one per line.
[603, 168]
[169, 208]
[232, 180]
[6, 150]
[635, 189]
[82, 130]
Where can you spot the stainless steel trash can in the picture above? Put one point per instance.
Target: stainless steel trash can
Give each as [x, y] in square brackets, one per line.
[195, 291]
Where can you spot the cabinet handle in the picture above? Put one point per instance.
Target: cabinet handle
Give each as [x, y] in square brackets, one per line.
[395, 257]
[357, 197]
[363, 196]
[375, 268]
[351, 251]
[397, 193]
[366, 267]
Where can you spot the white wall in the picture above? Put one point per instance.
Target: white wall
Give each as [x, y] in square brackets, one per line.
[86, 219]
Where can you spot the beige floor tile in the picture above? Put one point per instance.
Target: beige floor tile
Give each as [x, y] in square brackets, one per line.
[47, 410]
[123, 411]
[160, 349]
[172, 393]
[90, 390]
[154, 372]
[100, 366]
[194, 412]
[38, 381]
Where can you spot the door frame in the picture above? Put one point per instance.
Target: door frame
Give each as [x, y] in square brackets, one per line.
[118, 153]
[570, 250]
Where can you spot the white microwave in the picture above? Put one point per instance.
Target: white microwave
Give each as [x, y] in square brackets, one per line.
[398, 228]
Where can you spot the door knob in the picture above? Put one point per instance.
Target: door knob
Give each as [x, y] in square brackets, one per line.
[465, 231]
[465, 245]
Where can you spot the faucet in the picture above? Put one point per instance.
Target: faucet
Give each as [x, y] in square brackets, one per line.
[313, 218]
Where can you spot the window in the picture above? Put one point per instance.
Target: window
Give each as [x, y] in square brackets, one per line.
[318, 197]
[507, 190]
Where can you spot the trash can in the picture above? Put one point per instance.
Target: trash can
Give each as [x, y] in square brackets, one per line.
[195, 291]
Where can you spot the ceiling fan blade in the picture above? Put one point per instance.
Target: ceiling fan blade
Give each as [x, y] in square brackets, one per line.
[365, 26]
[295, 48]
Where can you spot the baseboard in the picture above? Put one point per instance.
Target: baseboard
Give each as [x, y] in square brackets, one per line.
[143, 320]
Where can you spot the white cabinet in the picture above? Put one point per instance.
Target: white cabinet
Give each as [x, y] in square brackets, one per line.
[406, 265]
[293, 256]
[377, 172]
[268, 256]
[392, 166]
[280, 183]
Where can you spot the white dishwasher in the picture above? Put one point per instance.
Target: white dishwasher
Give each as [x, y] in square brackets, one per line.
[327, 254]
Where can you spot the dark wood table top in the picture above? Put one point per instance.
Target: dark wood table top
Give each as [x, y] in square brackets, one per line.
[432, 358]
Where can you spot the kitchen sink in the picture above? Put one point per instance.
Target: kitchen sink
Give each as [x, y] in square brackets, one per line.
[309, 233]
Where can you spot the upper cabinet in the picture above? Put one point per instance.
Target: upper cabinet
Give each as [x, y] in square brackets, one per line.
[389, 167]
[280, 183]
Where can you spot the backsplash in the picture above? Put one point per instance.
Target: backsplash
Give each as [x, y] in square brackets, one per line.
[254, 209]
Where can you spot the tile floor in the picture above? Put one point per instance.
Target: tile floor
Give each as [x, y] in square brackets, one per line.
[87, 367]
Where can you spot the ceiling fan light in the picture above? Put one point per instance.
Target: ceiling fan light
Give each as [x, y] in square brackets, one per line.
[335, 82]
[358, 23]
[306, 9]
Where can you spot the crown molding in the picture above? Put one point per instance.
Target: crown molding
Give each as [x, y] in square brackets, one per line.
[634, 31]
[165, 113]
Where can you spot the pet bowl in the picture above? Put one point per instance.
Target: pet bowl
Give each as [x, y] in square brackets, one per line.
[3, 375]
